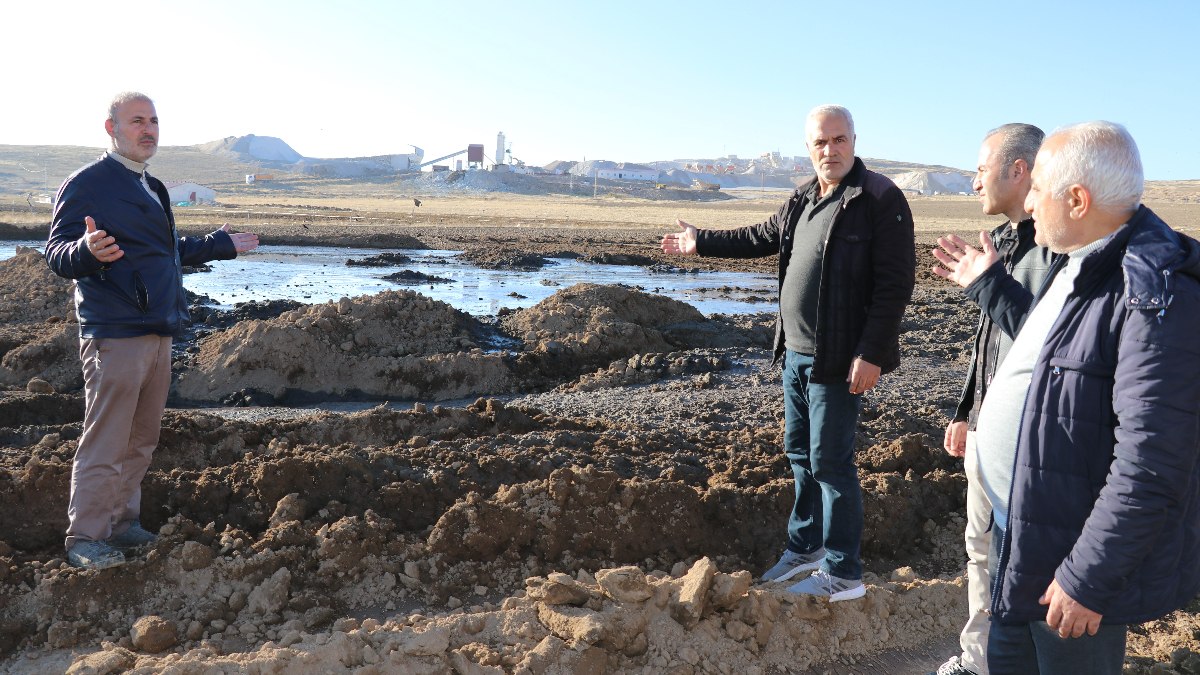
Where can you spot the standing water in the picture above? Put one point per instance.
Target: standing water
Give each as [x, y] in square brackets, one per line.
[316, 274]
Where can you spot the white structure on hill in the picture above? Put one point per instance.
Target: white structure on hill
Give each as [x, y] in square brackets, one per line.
[933, 183]
[628, 171]
[195, 193]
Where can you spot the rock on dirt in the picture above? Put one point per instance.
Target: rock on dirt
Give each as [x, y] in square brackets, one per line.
[153, 634]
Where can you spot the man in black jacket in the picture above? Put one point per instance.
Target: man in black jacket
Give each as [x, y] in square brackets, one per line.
[114, 234]
[1002, 182]
[846, 273]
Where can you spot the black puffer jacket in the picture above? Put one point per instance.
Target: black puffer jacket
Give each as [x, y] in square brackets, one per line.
[868, 272]
[142, 292]
[1106, 481]
[1029, 265]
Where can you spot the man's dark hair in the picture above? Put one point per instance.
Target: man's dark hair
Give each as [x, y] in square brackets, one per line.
[1017, 141]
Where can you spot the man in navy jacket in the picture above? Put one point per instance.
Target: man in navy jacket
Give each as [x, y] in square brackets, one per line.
[1101, 391]
[114, 234]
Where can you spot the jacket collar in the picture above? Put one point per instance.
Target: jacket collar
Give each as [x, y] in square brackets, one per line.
[1150, 254]
[853, 181]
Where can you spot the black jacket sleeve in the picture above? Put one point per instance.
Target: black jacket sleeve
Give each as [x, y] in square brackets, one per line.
[1002, 298]
[752, 241]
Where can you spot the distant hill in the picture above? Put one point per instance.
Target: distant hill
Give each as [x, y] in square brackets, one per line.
[251, 147]
[42, 168]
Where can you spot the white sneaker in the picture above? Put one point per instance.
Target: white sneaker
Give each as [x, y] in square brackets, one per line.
[954, 666]
[790, 564]
[826, 585]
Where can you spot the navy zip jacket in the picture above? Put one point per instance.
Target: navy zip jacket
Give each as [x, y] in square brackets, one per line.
[141, 293]
[1106, 484]
[867, 276]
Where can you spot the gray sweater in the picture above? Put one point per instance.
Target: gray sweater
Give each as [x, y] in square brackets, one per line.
[1000, 415]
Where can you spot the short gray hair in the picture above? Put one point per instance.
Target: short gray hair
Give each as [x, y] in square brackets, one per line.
[828, 110]
[1102, 157]
[1017, 141]
[123, 98]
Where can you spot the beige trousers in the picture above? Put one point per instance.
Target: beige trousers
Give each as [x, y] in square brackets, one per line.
[125, 384]
[974, 636]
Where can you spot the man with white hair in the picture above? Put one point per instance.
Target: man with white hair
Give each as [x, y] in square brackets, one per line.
[1090, 433]
[846, 272]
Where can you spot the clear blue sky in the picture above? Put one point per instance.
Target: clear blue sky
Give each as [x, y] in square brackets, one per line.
[625, 81]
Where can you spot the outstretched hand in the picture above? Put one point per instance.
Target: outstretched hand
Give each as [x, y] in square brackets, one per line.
[962, 263]
[682, 242]
[102, 247]
[242, 241]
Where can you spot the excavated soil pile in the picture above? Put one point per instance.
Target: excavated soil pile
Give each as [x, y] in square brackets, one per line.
[285, 526]
[39, 337]
[402, 345]
[396, 344]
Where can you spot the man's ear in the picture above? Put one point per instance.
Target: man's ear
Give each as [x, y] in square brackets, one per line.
[110, 127]
[1019, 168]
[1079, 201]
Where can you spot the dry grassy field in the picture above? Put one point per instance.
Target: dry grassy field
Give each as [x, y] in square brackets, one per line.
[1177, 202]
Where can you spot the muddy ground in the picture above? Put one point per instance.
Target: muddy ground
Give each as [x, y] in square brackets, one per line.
[596, 495]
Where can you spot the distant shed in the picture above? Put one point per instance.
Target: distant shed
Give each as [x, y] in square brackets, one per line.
[190, 192]
[628, 171]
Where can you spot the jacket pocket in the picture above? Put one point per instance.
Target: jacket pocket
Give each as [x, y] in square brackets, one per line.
[1078, 405]
[127, 287]
[140, 294]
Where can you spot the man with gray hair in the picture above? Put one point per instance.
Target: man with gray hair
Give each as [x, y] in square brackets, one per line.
[1090, 432]
[1002, 180]
[114, 234]
[846, 272]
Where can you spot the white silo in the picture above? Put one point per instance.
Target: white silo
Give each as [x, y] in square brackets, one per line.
[500, 159]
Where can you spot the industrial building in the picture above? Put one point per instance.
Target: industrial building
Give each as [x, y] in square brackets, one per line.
[194, 193]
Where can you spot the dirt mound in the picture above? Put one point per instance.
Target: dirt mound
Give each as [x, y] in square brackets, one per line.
[381, 260]
[594, 319]
[403, 346]
[283, 527]
[505, 259]
[411, 278]
[619, 620]
[31, 293]
[38, 334]
[397, 344]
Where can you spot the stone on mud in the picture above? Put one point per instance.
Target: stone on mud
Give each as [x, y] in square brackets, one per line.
[116, 660]
[270, 597]
[153, 634]
[556, 589]
[431, 642]
[289, 508]
[689, 605]
[729, 589]
[625, 584]
[39, 386]
[194, 556]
